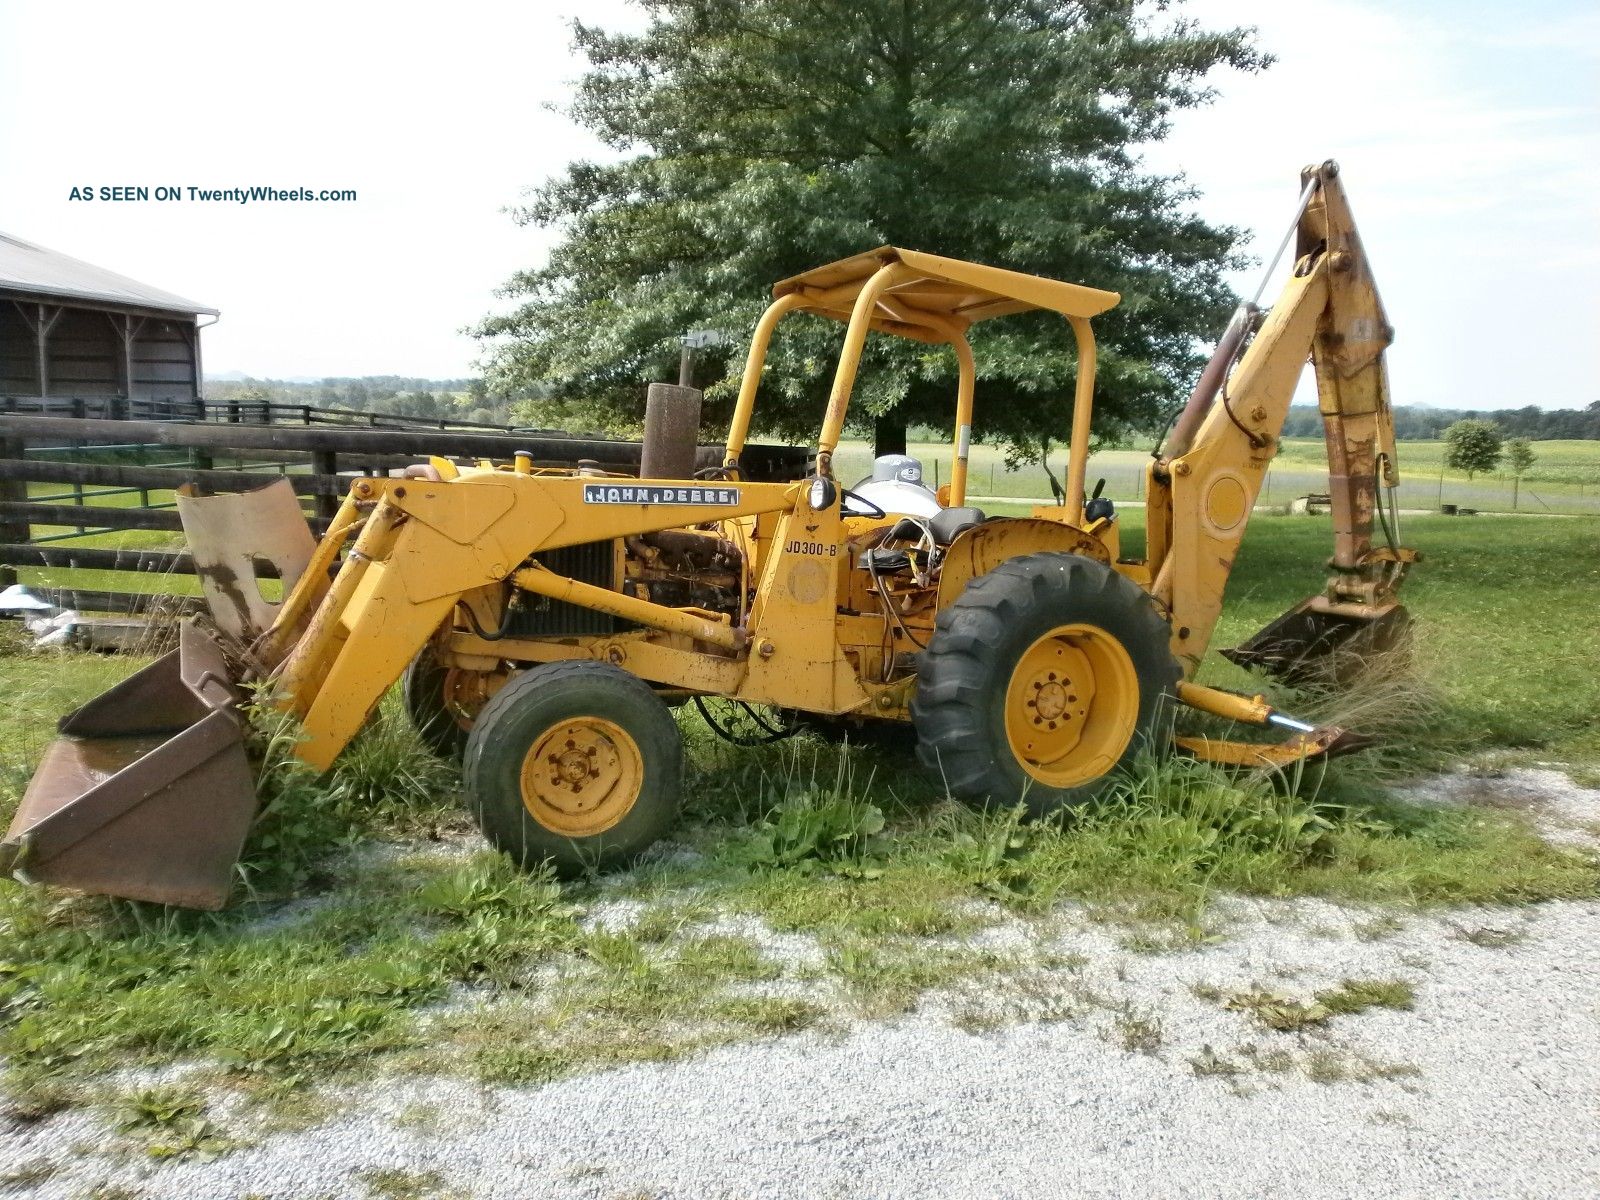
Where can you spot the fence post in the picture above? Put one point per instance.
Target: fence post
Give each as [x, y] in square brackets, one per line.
[13, 529]
[326, 462]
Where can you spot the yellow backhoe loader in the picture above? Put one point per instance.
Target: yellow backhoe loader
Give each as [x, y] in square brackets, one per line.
[544, 621]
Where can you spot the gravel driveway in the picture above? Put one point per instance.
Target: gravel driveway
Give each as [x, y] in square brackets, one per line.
[1128, 1074]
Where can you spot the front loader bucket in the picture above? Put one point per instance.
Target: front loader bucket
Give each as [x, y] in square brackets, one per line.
[147, 795]
[1316, 644]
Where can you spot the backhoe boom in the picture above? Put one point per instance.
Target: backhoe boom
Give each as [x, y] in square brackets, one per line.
[1206, 483]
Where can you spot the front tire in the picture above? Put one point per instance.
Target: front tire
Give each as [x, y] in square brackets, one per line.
[423, 688]
[1043, 678]
[578, 764]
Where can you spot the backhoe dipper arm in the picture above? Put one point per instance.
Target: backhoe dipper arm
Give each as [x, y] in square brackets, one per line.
[1203, 488]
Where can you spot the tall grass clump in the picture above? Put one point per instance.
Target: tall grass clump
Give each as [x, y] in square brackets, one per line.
[816, 817]
[385, 778]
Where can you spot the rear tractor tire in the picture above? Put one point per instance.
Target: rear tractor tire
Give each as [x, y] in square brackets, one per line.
[578, 764]
[1046, 676]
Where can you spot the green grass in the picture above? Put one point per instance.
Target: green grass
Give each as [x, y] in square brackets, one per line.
[1565, 477]
[1358, 995]
[1556, 461]
[336, 964]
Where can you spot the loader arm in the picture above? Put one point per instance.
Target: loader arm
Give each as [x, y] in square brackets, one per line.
[1204, 486]
[424, 546]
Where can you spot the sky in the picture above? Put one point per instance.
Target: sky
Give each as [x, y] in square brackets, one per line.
[1468, 134]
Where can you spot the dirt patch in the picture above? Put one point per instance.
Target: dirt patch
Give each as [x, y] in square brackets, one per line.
[1563, 812]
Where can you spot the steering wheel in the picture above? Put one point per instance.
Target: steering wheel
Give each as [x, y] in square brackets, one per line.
[876, 513]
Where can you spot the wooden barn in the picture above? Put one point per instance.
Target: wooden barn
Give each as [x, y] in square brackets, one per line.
[79, 340]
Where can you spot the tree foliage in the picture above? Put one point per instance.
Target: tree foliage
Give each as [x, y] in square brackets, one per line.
[754, 139]
[1413, 422]
[1519, 456]
[390, 395]
[1472, 446]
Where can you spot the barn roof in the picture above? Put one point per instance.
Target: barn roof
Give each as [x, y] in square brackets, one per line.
[25, 267]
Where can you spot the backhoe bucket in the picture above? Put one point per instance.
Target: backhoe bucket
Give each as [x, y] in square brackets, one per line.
[1319, 644]
[147, 795]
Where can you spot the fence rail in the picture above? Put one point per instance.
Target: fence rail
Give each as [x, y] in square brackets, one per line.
[242, 412]
[86, 455]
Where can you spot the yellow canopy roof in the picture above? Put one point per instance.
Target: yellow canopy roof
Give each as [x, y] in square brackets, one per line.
[946, 289]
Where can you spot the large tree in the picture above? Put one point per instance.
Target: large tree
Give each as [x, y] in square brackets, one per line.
[1472, 445]
[753, 139]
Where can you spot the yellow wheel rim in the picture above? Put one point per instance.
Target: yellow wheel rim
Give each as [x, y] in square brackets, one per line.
[582, 776]
[466, 692]
[1072, 705]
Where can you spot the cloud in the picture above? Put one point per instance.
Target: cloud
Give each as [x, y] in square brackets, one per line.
[1468, 134]
[1472, 161]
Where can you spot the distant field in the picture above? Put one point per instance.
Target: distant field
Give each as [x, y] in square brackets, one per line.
[1565, 477]
[1572, 462]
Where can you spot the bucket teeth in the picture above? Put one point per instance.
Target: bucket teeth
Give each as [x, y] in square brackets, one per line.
[1316, 644]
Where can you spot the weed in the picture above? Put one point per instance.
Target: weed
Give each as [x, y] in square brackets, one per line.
[421, 1117]
[885, 976]
[172, 1122]
[1329, 1064]
[1138, 1033]
[902, 901]
[527, 1048]
[1375, 929]
[158, 1108]
[662, 922]
[1584, 776]
[26, 1175]
[722, 957]
[397, 1183]
[1169, 939]
[31, 1096]
[818, 822]
[1208, 1063]
[1277, 1011]
[768, 1014]
[385, 774]
[1034, 996]
[1490, 937]
[1390, 1116]
[1273, 1060]
[1358, 995]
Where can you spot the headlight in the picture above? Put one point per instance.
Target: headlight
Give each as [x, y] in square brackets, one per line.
[822, 493]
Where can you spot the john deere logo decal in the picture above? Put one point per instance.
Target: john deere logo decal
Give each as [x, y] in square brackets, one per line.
[655, 493]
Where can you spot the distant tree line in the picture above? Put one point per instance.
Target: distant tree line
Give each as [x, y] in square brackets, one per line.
[397, 395]
[1429, 424]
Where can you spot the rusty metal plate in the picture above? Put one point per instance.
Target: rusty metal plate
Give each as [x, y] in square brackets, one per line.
[148, 795]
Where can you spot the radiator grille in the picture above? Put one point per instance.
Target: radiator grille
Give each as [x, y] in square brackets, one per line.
[591, 562]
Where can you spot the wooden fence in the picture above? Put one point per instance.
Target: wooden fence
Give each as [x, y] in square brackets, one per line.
[88, 458]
